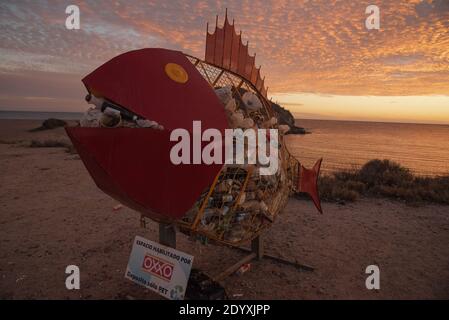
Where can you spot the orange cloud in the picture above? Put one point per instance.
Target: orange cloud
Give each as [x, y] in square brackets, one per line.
[318, 46]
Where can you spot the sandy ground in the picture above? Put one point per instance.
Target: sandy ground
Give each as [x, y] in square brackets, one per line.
[52, 215]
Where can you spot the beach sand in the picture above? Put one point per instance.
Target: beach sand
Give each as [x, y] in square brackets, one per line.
[52, 215]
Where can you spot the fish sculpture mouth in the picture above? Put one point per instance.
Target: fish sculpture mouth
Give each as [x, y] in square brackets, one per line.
[132, 164]
[160, 85]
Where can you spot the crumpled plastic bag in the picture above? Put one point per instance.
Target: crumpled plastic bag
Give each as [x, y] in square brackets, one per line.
[110, 118]
[251, 101]
[91, 118]
[224, 94]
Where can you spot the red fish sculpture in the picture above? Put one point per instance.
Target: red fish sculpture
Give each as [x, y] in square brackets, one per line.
[227, 203]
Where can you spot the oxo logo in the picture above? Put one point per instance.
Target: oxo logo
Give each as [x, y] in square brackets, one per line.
[157, 267]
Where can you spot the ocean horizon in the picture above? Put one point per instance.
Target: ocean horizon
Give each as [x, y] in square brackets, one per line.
[423, 148]
[38, 115]
[42, 115]
[344, 144]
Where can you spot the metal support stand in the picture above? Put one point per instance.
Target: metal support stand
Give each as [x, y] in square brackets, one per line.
[257, 247]
[257, 252]
[167, 237]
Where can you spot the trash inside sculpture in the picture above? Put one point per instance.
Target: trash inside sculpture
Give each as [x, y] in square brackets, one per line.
[146, 94]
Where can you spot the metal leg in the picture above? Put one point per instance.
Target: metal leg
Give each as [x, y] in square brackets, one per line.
[257, 252]
[167, 235]
[257, 247]
[234, 267]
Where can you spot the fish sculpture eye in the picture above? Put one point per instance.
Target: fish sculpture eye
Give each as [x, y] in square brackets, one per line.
[176, 73]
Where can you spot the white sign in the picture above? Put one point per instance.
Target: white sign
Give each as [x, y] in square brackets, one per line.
[162, 269]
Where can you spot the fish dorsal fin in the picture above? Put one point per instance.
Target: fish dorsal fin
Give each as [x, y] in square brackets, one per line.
[225, 49]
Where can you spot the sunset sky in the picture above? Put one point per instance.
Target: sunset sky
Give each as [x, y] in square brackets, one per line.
[318, 58]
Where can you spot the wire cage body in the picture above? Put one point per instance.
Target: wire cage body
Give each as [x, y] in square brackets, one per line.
[240, 203]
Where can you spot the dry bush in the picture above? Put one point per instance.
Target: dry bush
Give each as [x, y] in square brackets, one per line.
[384, 178]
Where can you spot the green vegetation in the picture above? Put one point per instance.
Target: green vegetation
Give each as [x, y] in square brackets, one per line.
[383, 178]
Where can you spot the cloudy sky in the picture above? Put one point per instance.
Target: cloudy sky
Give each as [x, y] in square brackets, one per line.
[319, 59]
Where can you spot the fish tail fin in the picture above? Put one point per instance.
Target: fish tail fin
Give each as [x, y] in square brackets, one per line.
[308, 182]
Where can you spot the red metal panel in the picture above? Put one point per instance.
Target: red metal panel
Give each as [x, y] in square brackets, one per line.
[137, 81]
[308, 183]
[249, 66]
[227, 47]
[242, 59]
[133, 166]
[219, 42]
[236, 42]
[210, 47]
[254, 75]
[259, 82]
[229, 53]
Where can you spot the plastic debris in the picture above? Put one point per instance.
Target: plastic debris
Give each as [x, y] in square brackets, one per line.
[243, 202]
[108, 115]
[97, 102]
[224, 94]
[251, 101]
[234, 211]
[117, 207]
[244, 268]
[91, 118]
[111, 118]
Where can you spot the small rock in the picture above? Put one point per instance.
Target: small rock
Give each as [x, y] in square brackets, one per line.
[50, 124]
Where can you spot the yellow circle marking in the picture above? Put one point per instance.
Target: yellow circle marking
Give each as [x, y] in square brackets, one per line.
[176, 73]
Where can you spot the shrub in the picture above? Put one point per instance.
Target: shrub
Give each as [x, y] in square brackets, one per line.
[384, 172]
[383, 178]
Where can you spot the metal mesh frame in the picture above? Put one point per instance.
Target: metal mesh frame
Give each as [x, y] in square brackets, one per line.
[218, 77]
[275, 198]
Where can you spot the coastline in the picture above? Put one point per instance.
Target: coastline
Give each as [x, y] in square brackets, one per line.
[53, 215]
[424, 149]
